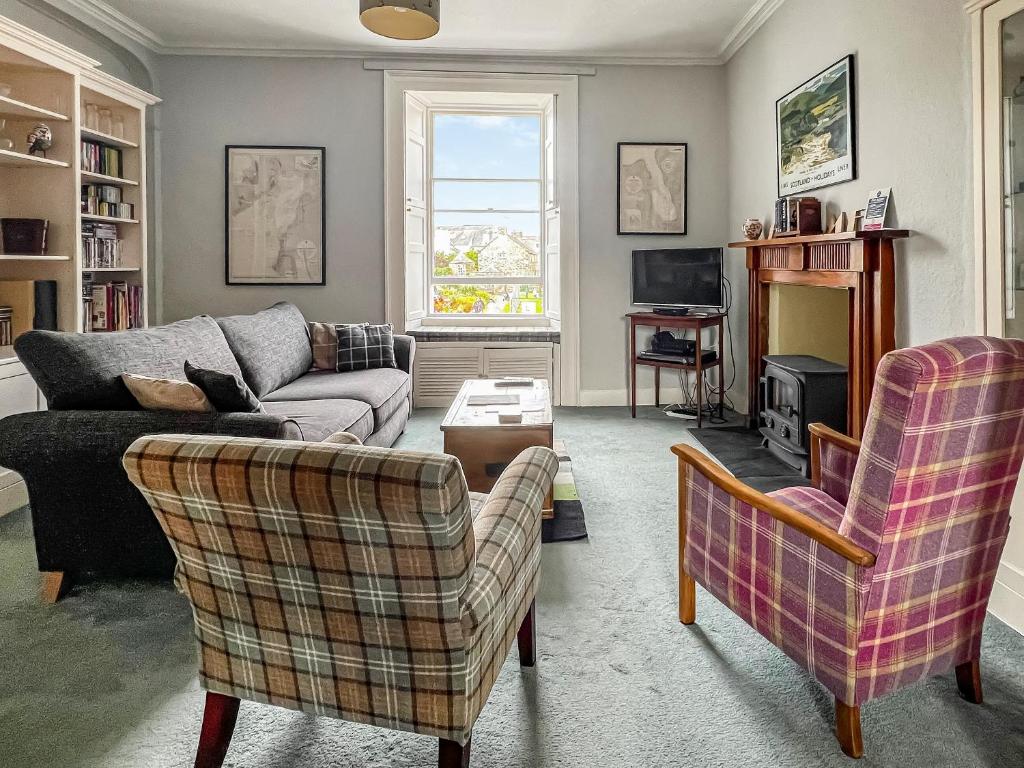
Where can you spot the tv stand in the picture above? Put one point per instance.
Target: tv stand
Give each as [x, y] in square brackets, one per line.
[672, 311]
[700, 364]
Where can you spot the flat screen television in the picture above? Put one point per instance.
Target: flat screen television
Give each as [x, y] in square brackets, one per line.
[679, 277]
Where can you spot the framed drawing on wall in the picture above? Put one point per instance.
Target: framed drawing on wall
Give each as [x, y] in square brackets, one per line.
[816, 128]
[274, 215]
[652, 188]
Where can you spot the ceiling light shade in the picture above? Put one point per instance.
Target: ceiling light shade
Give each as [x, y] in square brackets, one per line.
[401, 19]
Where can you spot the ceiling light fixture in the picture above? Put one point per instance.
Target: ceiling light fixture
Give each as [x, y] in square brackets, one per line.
[401, 19]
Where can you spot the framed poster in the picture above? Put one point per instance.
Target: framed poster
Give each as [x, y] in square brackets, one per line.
[816, 127]
[652, 188]
[274, 215]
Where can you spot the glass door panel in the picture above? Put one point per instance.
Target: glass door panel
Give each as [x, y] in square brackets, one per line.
[1012, 55]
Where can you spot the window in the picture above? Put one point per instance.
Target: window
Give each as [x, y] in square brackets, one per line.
[486, 207]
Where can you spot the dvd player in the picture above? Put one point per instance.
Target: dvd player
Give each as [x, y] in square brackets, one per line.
[706, 357]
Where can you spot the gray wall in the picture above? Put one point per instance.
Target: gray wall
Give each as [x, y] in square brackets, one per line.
[213, 101]
[210, 102]
[914, 101]
[640, 104]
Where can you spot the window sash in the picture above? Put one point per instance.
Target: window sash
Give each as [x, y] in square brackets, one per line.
[483, 280]
[489, 280]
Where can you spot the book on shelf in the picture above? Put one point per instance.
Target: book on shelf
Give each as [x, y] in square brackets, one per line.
[32, 304]
[105, 200]
[99, 158]
[6, 328]
[114, 306]
[101, 245]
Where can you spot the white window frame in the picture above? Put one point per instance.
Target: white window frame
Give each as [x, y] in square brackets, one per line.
[564, 90]
[440, 318]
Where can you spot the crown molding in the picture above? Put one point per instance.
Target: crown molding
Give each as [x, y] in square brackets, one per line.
[101, 11]
[752, 21]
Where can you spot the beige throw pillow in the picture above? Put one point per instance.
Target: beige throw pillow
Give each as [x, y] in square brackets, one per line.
[167, 394]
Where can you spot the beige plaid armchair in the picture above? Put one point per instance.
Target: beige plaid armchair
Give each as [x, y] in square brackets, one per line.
[360, 583]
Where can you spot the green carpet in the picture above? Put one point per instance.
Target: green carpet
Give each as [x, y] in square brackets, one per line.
[106, 679]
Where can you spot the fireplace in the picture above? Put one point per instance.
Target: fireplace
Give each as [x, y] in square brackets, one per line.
[860, 263]
[798, 390]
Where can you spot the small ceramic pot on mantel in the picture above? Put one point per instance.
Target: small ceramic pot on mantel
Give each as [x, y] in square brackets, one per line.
[752, 228]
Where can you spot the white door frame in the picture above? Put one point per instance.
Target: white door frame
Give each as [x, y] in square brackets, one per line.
[987, 16]
[566, 90]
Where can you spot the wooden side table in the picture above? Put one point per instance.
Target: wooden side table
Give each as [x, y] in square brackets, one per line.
[483, 445]
[694, 322]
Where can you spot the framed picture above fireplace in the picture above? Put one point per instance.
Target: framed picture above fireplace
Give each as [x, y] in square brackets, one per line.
[816, 130]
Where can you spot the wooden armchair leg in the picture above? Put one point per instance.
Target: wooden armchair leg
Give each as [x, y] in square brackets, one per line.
[848, 729]
[218, 725]
[527, 638]
[451, 754]
[687, 599]
[968, 680]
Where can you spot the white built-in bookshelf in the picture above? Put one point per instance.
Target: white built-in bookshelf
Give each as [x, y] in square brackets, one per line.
[52, 84]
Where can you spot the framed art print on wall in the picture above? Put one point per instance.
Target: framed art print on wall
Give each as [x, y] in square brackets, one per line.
[816, 130]
[274, 215]
[652, 188]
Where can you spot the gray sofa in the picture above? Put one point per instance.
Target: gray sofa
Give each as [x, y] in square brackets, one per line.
[88, 519]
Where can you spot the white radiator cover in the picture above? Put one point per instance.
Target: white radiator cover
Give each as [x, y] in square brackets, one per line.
[441, 368]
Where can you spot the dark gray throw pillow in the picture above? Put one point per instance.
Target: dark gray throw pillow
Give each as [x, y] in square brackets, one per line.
[226, 391]
[365, 346]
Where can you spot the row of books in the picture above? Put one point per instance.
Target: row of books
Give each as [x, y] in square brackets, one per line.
[105, 200]
[99, 158]
[111, 306]
[101, 245]
[6, 328]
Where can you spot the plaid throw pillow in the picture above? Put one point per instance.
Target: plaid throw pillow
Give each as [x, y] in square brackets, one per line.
[354, 347]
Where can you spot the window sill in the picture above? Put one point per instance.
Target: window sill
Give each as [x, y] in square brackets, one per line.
[478, 333]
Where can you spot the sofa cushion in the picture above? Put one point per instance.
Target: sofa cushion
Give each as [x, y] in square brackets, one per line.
[83, 370]
[272, 346]
[385, 390]
[317, 419]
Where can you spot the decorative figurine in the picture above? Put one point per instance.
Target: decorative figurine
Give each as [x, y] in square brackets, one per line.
[40, 139]
[752, 228]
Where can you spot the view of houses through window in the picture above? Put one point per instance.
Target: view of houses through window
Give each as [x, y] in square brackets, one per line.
[486, 211]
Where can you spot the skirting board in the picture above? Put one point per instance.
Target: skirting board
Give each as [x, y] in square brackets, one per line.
[1007, 601]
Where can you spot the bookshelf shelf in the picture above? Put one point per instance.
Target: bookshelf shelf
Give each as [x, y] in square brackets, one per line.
[111, 269]
[111, 219]
[100, 178]
[21, 160]
[31, 257]
[13, 108]
[106, 138]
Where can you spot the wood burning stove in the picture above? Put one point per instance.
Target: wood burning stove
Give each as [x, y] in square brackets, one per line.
[798, 390]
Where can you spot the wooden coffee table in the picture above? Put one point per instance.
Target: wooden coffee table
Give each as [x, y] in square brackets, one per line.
[484, 445]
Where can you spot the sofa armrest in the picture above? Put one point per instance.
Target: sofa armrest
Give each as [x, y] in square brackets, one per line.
[96, 440]
[405, 352]
[507, 533]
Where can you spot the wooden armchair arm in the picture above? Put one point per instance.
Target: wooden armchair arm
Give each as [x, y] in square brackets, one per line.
[807, 525]
[821, 433]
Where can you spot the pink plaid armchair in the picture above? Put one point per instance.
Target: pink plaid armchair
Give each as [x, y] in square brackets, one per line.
[880, 574]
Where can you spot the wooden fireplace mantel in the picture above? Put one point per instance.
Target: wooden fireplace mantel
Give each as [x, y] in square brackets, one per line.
[862, 263]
